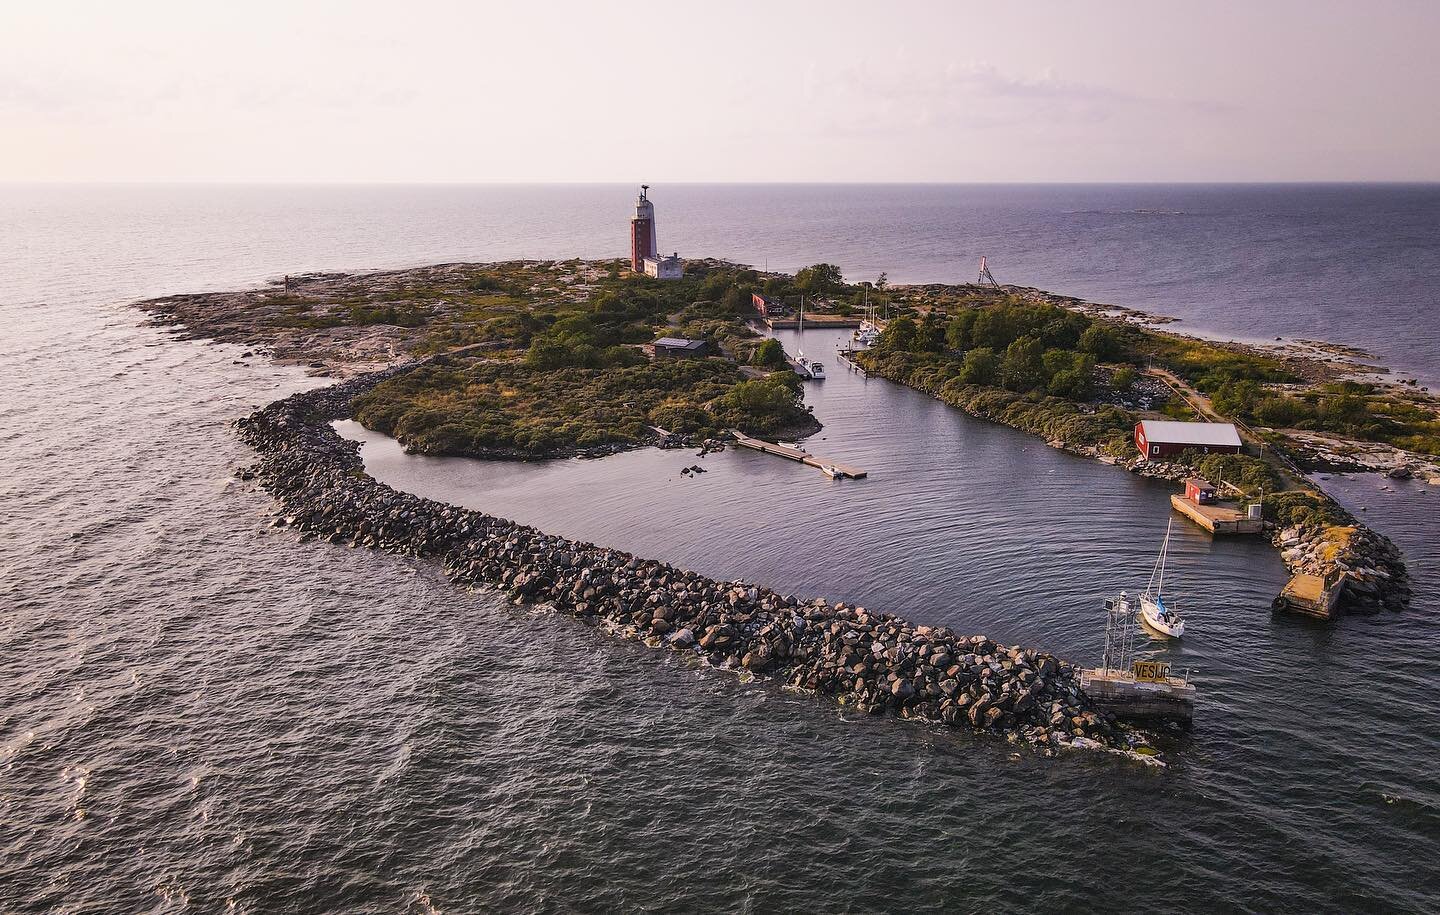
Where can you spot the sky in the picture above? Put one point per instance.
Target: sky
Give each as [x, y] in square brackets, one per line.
[477, 91]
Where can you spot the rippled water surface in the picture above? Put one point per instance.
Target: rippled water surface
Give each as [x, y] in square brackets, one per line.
[200, 712]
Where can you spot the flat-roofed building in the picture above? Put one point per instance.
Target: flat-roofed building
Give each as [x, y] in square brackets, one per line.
[679, 347]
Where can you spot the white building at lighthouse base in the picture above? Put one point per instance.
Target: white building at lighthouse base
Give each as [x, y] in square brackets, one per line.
[665, 268]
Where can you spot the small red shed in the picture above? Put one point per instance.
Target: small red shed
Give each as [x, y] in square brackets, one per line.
[1199, 491]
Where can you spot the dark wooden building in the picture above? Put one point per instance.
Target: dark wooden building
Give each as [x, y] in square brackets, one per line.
[679, 348]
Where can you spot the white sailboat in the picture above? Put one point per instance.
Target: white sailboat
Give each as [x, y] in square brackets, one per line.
[1153, 612]
[869, 332]
[813, 368]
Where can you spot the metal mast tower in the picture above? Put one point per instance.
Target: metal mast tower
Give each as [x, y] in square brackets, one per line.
[986, 277]
[1119, 634]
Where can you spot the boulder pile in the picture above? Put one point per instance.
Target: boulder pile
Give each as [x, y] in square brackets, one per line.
[874, 662]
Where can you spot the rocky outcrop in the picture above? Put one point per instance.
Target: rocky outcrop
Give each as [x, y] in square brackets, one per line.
[1371, 565]
[875, 662]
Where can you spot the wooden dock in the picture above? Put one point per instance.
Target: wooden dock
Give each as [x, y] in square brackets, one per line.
[1220, 518]
[814, 321]
[798, 454]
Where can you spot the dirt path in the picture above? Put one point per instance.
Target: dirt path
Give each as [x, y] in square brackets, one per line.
[1204, 408]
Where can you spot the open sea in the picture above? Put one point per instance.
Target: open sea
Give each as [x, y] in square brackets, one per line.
[200, 713]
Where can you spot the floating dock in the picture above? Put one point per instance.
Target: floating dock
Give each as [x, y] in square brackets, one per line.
[799, 454]
[1217, 518]
[1312, 595]
[1147, 691]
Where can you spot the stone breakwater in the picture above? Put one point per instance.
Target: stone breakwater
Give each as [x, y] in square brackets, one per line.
[871, 661]
[1372, 566]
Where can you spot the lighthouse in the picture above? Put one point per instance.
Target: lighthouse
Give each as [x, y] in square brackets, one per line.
[644, 255]
[642, 231]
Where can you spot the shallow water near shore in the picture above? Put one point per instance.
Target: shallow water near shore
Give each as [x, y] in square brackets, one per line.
[199, 709]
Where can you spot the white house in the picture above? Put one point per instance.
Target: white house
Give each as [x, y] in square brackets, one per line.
[665, 268]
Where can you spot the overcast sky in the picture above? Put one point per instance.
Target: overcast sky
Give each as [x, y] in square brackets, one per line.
[425, 90]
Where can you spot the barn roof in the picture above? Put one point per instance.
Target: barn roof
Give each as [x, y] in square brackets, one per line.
[1166, 432]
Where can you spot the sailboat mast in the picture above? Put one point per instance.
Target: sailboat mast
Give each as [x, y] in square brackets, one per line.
[1164, 555]
[800, 329]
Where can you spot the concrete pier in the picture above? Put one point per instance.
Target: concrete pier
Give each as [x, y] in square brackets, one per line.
[1124, 695]
[1312, 595]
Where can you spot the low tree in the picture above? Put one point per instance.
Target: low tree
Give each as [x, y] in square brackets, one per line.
[737, 301]
[1124, 378]
[980, 366]
[1101, 342]
[547, 353]
[930, 336]
[769, 354]
[1236, 398]
[1281, 411]
[1023, 368]
[819, 279]
[958, 335]
[762, 405]
[899, 336]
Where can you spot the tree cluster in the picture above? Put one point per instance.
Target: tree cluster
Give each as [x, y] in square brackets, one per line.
[1021, 347]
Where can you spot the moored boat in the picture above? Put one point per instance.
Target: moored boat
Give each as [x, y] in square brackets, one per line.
[1153, 612]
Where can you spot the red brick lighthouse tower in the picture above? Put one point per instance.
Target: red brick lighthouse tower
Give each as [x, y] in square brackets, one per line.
[642, 231]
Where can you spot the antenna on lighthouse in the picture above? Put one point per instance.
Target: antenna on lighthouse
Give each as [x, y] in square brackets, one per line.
[986, 277]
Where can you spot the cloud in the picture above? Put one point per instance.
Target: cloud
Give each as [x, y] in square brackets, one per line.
[976, 96]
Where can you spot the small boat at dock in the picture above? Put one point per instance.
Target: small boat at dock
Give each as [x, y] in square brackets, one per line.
[868, 333]
[805, 367]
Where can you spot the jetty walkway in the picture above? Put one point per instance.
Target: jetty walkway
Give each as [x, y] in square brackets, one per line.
[799, 454]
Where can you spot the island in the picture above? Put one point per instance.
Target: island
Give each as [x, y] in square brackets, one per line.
[529, 360]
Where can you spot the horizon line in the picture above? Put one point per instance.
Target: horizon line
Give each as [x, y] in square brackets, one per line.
[249, 182]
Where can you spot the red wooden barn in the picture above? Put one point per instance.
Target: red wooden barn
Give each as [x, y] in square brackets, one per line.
[1159, 439]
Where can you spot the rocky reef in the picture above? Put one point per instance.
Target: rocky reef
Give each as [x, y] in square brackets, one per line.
[1371, 565]
[872, 661]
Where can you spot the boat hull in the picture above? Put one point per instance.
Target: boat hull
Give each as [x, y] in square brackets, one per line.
[1168, 625]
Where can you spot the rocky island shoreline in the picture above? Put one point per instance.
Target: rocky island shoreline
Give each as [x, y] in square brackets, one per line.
[1080, 375]
[871, 661]
[529, 360]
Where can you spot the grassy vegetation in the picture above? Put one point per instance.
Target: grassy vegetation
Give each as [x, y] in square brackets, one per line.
[478, 407]
[992, 339]
[1107, 428]
[562, 369]
[1346, 408]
